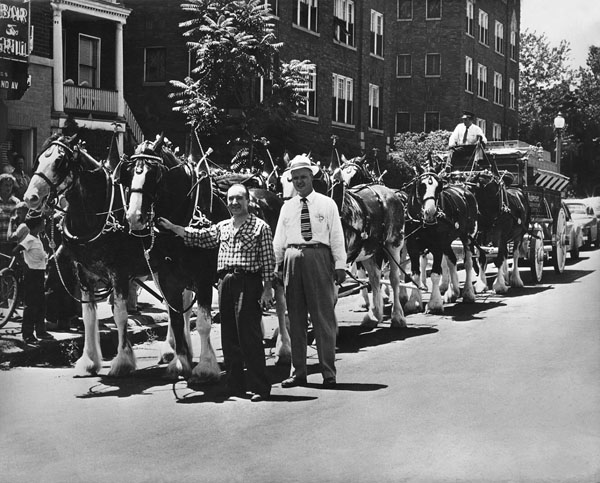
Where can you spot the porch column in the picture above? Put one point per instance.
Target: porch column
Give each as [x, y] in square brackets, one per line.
[57, 53]
[119, 81]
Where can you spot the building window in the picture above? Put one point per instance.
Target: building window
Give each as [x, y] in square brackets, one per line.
[404, 65]
[89, 61]
[402, 122]
[309, 106]
[376, 33]
[496, 132]
[306, 14]
[512, 93]
[433, 9]
[482, 81]
[499, 36]
[343, 96]
[343, 22]
[484, 34]
[432, 121]
[433, 65]
[374, 110]
[404, 9]
[470, 18]
[468, 74]
[513, 37]
[273, 6]
[498, 92]
[155, 61]
[482, 125]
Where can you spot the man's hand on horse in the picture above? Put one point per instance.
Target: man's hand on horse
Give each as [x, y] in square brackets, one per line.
[340, 275]
[164, 223]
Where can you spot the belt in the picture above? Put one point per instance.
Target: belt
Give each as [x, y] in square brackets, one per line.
[307, 245]
[236, 271]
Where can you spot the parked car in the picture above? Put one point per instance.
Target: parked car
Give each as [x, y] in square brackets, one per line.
[594, 202]
[574, 233]
[584, 214]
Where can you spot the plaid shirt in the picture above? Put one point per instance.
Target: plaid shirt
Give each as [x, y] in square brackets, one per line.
[7, 209]
[250, 247]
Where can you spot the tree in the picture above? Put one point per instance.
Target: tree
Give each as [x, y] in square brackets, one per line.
[410, 150]
[238, 89]
[544, 87]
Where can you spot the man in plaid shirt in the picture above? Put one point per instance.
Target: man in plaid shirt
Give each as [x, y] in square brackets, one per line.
[246, 265]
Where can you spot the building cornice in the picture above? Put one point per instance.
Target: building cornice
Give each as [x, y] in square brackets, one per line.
[96, 8]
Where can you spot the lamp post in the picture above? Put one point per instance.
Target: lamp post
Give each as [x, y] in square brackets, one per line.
[559, 125]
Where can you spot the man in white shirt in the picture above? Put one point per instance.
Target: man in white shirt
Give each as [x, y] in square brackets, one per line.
[310, 256]
[466, 133]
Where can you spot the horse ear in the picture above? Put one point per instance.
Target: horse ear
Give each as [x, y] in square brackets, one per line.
[344, 160]
[286, 158]
[159, 141]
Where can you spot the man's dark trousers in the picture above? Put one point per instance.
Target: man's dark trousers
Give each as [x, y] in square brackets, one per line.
[241, 332]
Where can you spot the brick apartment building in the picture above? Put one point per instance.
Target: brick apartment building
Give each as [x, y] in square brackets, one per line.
[73, 66]
[381, 67]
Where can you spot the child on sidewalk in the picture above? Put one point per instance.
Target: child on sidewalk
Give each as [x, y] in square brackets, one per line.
[36, 259]
[17, 229]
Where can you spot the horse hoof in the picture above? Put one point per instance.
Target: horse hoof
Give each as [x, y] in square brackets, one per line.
[202, 381]
[398, 323]
[283, 360]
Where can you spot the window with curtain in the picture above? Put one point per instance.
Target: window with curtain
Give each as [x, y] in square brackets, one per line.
[470, 18]
[468, 74]
[309, 106]
[513, 37]
[496, 132]
[273, 6]
[89, 61]
[343, 22]
[484, 35]
[482, 81]
[512, 93]
[499, 37]
[306, 14]
[374, 106]
[376, 33]
[498, 89]
[343, 97]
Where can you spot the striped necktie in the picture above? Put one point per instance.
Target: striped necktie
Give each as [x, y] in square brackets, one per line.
[305, 229]
[465, 135]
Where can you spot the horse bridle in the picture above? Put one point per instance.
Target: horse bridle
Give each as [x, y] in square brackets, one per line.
[54, 186]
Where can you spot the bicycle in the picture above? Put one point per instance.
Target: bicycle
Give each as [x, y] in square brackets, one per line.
[10, 281]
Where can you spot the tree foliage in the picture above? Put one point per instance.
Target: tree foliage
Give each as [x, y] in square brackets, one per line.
[412, 149]
[235, 56]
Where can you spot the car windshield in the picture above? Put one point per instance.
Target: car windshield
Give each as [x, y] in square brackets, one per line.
[577, 208]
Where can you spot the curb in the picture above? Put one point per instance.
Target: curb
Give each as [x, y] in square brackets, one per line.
[67, 347]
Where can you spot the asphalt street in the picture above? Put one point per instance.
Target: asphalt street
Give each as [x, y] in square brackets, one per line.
[506, 389]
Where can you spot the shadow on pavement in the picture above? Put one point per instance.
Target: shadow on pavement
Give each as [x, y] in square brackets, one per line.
[354, 338]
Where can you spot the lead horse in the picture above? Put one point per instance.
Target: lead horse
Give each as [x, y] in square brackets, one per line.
[95, 237]
[160, 185]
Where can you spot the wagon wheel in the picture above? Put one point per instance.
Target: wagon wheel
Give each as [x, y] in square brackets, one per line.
[536, 255]
[559, 252]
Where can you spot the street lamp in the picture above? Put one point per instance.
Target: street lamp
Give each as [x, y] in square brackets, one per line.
[559, 125]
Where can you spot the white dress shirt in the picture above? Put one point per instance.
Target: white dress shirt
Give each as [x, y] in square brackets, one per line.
[325, 223]
[456, 139]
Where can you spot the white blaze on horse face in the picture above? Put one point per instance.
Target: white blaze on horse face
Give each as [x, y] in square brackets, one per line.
[39, 189]
[348, 173]
[429, 199]
[136, 198]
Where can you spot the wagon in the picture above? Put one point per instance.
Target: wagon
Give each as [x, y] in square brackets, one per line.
[547, 238]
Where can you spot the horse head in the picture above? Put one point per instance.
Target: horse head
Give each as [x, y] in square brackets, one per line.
[141, 175]
[55, 168]
[427, 189]
[354, 171]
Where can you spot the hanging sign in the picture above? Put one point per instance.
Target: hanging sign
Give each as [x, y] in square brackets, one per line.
[14, 30]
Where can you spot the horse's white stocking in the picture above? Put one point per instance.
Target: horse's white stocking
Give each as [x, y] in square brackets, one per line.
[398, 318]
[124, 363]
[446, 276]
[453, 289]
[468, 290]
[515, 277]
[90, 361]
[283, 346]
[481, 284]
[436, 304]
[500, 282]
[181, 364]
[207, 369]
[423, 281]
[374, 316]
[167, 348]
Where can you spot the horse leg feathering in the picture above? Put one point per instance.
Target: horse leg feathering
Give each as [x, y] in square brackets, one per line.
[90, 361]
[124, 363]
